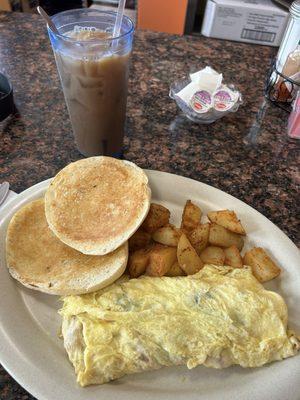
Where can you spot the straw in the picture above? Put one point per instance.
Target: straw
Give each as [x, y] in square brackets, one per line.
[48, 20]
[120, 12]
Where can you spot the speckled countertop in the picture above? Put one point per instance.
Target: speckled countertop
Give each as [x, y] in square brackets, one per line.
[246, 154]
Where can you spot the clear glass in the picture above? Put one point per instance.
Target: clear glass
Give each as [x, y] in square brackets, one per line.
[94, 77]
[291, 36]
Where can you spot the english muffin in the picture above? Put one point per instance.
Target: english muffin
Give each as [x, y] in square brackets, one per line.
[94, 205]
[40, 261]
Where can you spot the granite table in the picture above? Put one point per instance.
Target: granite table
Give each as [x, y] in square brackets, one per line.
[246, 154]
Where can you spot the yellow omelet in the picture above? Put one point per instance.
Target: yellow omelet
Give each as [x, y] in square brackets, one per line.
[217, 317]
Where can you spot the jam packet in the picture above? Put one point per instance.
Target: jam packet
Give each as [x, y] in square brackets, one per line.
[224, 99]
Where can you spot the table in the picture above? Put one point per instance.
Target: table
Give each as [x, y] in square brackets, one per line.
[246, 154]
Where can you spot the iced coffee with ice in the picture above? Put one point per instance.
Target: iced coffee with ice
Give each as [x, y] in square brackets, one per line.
[93, 69]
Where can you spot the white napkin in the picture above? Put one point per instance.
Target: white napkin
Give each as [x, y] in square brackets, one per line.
[188, 91]
[11, 195]
[208, 78]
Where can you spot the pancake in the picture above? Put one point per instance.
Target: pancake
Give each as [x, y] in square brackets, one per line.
[37, 259]
[94, 205]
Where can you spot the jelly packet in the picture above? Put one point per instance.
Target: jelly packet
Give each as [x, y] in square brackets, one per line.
[203, 97]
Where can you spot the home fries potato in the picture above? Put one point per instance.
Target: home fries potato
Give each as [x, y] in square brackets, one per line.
[187, 257]
[157, 217]
[159, 248]
[191, 216]
[168, 235]
[263, 267]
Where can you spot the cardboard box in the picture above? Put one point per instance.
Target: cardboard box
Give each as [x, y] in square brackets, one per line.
[250, 21]
[162, 15]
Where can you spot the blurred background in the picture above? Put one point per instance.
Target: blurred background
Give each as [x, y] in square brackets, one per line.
[252, 21]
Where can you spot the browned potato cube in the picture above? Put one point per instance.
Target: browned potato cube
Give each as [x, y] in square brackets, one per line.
[199, 237]
[139, 240]
[161, 259]
[157, 217]
[138, 262]
[167, 235]
[263, 267]
[228, 220]
[175, 270]
[220, 236]
[191, 216]
[187, 257]
[233, 257]
[213, 255]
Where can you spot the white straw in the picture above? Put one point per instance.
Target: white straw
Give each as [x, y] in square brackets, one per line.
[120, 12]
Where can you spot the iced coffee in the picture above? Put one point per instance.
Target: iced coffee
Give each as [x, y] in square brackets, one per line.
[93, 70]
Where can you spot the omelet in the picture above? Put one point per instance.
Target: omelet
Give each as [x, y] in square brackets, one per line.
[218, 317]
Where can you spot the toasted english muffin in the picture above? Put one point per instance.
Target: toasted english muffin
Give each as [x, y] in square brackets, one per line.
[94, 205]
[40, 261]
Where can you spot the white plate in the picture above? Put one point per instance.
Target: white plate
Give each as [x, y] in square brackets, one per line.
[33, 354]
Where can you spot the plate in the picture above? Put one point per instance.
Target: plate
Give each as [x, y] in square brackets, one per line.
[32, 352]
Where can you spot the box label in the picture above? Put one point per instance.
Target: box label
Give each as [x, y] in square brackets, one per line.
[262, 28]
[254, 26]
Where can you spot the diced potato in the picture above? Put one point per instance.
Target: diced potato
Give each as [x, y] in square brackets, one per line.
[263, 267]
[199, 237]
[191, 216]
[161, 259]
[168, 235]
[213, 255]
[139, 240]
[233, 257]
[157, 217]
[187, 257]
[175, 270]
[220, 236]
[228, 219]
[138, 262]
